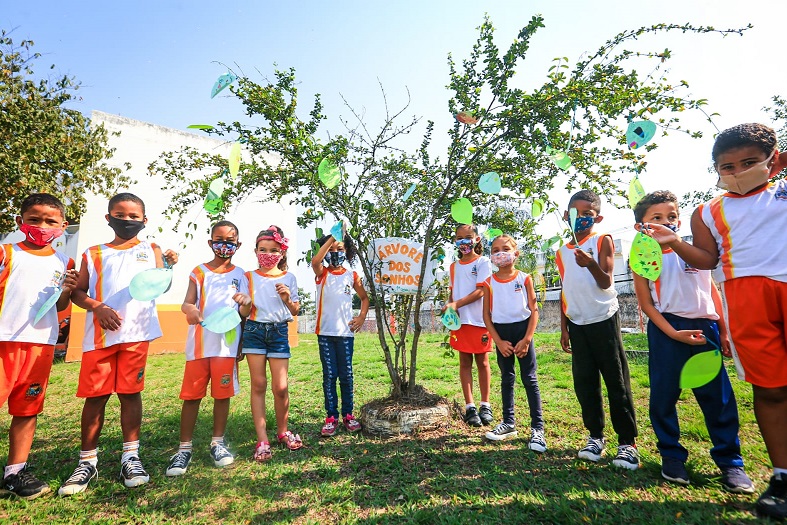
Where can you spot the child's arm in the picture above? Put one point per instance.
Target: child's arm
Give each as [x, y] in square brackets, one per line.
[603, 269]
[565, 342]
[170, 256]
[107, 318]
[523, 345]
[505, 347]
[319, 257]
[189, 306]
[701, 253]
[69, 283]
[724, 337]
[357, 322]
[470, 298]
[689, 337]
[284, 292]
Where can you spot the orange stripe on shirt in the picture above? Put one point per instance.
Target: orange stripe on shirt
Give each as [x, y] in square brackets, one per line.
[321, 283]
[561, 271]
[199, 346]
[99, 335]
[7, 261]
[717, 212]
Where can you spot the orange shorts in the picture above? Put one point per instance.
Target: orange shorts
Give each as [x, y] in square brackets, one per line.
[222, 372]
[24, 376]
[756, 314]
[471, 339]
[118, 369]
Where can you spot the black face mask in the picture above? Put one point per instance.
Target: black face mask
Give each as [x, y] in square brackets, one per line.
[125, 229]
[336, 258]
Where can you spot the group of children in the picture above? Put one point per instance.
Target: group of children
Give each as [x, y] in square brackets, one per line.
[686, 312]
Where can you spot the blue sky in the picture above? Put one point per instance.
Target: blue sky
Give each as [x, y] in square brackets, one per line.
[157, 60]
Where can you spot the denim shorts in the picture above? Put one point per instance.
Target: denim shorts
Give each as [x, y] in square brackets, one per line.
[269, 339]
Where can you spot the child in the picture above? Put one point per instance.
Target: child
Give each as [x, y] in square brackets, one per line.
[682, 306]
[472, 340]
[511, 316]
[736, 229]
[274, 297]
[118, 331]
[590, 331]
[210, 356]
[336, 325]
[30, 273]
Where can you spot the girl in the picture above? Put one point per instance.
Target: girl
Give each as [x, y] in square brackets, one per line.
[472, 340]
[336, 325]
[274, 296]
[211, 357]
[511, 315]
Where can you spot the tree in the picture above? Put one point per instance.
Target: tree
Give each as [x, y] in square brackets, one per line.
[579, 109]
[44, 146]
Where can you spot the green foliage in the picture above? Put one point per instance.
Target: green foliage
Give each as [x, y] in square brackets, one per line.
[46, 147]
[581, 109]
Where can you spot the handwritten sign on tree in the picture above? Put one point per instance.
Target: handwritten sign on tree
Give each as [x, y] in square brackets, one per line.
[399, 265]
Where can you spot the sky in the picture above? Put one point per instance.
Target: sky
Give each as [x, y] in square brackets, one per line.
[156, 61]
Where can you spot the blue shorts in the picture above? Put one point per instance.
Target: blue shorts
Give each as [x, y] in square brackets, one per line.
[269, 339]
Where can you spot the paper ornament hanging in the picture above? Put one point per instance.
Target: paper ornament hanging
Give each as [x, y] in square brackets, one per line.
[559, 157]
[490, 183]
[493, 233]
[231, 335]
[213, 201]
[462, 211]
[645, 257]
[234, 159]
[329, 173]
[700, 369]
[466, 117]
[640, 133]
[572, 224]
[222, 82]
[200, 126]
[451, 320]
[408, 193]
[636, 192]
[537, 209]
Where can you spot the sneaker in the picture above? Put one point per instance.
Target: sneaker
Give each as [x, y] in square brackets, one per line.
[538, 442]
[674, 470]
[593, 449]
[627, 457]
[24, 485]
[485, 413]
[221, 456]
[351, 424]
[329, 428]
[132, 473]
[501, 432]
[471, 417]
[178, 464]
[734, 479]
[79, 480]
[773, 501]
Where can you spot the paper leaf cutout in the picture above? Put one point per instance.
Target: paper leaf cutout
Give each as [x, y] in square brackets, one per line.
[149, 284]
[645, 257]
[451, 320]
[329, 173]
[538, 208]
[234, 159]
[636, 192]
[640, 133]
[223, 81]
[490, 183]
[50, 302]
[492, 233]
[231, 335]
[466, 117]
[213, 201]
[462, 211]
[200, 126]
[559, 157]
[700, 369]
[409, 192]
[222, 320]
[572, 217]
[337, 231]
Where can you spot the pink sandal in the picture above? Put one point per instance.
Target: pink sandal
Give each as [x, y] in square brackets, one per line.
[262, 452]
[291, 441]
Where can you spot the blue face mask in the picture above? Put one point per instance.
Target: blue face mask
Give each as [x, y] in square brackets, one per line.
[673, 227]
[464, 246]
[583, 223]
[336, 258]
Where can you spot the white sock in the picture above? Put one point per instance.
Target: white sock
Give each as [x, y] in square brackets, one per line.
[91, 456]
[130, 450]
[469, 405]
[185, 446]
[16, 468]
[485, 404]
[780, 473]
[217, 440]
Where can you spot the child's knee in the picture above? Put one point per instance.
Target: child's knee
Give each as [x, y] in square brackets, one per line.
[280, 391]
[776, 395]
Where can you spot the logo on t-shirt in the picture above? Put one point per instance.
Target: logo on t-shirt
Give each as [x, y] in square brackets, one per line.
[474, 271]
[235, 284]
[142, 256]
[781, 194]
[687, 268]
[347, 289]
[33, 391]
[57, 277]
[518, 287]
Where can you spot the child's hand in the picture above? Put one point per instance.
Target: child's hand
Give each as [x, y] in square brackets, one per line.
[107, 318]
[565, 343]
[283, 292]
[522, 347]
[194, 316]
[356, 323]
[242, 299]
[726, 349]
[583, 258]
[171, 257]
[70, 281]
[505, 347]
[661, 233]
[690, 337]
[446, 306]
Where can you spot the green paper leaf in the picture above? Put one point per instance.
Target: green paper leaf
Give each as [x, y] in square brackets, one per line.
[231, 336]
[213, 201]
[451, 320]
[50, 302]
[538, 208]
[234, 160]
[636, 192]
[700, 369]
[462, 211]
[490, 183]
[329, 173]
[645, 257]
[149, 284]
[640, 133]
[222, 320]
[409, 192]
[491, 233]
[560, 158]
[200, 126]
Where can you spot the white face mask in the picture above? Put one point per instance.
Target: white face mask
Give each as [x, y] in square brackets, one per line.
[745, 181]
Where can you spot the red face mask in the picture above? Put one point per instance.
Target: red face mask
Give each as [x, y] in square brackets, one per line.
[40, 236]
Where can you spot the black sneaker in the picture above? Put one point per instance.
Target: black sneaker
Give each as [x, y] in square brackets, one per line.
[78, 481]
[734, 479]
[627, 457]
[501, 432]
[471, 417]
[178, 464]
[674, 470]
[24, 485]
[486, 415]
[132, 473]
[538, 442]
[773, 501]
[221, 456]
[593, 449]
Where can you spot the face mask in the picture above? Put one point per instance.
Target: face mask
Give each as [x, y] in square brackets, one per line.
[224, 249]
[673, 227]
[464, 246]
[502, 259]
[125, 229]
[583, 223]
[745, 181]
[336, 258]
[268, 260]
[40, 236]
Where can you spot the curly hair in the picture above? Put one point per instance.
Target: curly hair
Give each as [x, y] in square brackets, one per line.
[656, 197]
[349, 247]
[742, 135]
[269, 233]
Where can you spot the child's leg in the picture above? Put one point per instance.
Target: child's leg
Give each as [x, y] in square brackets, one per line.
[221, 412]
[92, 421]
[344, 355]
[223, 385]
[188, 419]
[130, 415]
[259, 385]
[587, 382]
[330, 371]
[20, 438]
[507, 380]
[466, 376]
[528, 372]
[770, 407]
[281, 395]
[484, 375]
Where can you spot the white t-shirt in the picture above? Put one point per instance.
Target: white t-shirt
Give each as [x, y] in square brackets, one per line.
[335, 289]
[466, 277]
[682, 290]
[27, 280]
[508, 299]
[267, 306]
[214, 290]
[583, 301]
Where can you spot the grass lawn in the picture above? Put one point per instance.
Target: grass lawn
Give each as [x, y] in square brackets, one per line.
[451, 475]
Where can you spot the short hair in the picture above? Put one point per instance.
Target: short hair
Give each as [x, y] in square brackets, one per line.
[42, 199]
[506, 237]
[350, 249]
[125, 197]
[224, 223]
[742, 135]
[656, 197]
[269, 233]
[589, 196]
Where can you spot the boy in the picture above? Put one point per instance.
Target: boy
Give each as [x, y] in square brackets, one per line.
[590, 331]
[30, 273]
[736, 229]
[118, 330]
[682, 306]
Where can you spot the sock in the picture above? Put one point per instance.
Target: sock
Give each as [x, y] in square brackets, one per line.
[779, 473]
[185, 446]
[91, 456]
[130, 450]
[16, 468]
[217, 440]
[486, 404]
[469, 405]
